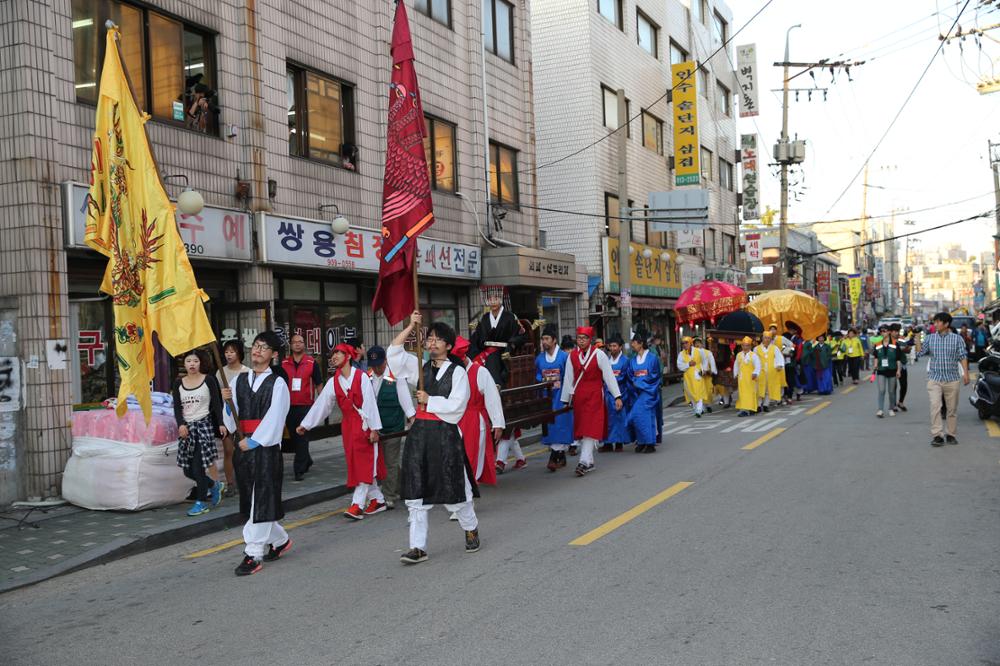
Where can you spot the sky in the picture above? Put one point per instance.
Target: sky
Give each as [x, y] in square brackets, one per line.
[936, 153]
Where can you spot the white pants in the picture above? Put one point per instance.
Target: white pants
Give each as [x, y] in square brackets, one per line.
[512, 445]
[587, 446]
[258, 536]
[699, 407]
[559, 447]
[766, 400]
[369, 491]
[418, 516]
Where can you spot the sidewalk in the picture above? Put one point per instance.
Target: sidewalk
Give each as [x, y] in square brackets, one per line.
[68, 538]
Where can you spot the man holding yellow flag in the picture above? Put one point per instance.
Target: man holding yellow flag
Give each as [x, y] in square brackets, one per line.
[131, 221]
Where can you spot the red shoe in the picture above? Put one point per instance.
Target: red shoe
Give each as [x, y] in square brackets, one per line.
[354, 512]
[375, 507]
[501, 466]
[520, 463]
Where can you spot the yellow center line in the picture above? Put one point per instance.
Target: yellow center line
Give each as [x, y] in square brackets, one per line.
[289, 526]
[820, 406]
[633, 513]
[760, 440]
[992, 427]
[849, 389]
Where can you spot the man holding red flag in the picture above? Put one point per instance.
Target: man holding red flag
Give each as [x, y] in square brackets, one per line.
[407, 209]
[586, 369]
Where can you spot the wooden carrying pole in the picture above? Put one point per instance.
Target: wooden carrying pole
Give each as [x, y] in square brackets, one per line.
[238, 435]
[416, 330]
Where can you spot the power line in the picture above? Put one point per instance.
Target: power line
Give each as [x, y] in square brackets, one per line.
[876, 217]
[658, 99]
[900, 111]
[978, 216]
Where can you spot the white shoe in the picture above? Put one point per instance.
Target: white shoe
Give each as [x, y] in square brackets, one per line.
[892, 412]
[453, 516]
[879, 413]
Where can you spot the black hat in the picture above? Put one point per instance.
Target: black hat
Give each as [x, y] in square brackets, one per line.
[551, 330]
[376, 355]
[617, 339]
[567, 342]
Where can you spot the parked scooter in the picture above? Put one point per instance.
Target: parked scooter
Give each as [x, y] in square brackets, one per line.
[986, 394]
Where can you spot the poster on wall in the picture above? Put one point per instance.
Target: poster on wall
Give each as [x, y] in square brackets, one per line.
[10, 383]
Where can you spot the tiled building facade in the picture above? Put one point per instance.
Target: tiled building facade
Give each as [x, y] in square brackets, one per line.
[296, 96]
[586, 51]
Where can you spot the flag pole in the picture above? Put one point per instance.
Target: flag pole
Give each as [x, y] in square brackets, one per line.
[420, 354]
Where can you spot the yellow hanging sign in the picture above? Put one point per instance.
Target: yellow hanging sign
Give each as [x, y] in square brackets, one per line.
[687, 167]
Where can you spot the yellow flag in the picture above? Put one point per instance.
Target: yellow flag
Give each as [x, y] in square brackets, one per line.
[131, 221]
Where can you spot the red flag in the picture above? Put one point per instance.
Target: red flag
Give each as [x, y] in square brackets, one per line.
[407, 209]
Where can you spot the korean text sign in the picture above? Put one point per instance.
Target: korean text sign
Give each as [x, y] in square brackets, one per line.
[687, 150]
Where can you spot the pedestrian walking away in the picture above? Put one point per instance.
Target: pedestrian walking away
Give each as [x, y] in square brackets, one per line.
[261, 399]
[198, 410]
[351, 390]
[305, 380]
[396, 411]
[586, 370]
[948, 354]
[435, 468]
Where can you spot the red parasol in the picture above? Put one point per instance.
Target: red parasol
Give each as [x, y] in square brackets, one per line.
[708, 300]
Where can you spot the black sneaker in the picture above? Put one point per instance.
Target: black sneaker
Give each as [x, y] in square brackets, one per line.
[300, 477]
[937, 441]
[581, 470]
[574, 450]
[649, 449]
[249, 565]
[413, 556]
[561, 461]
[274, 553]
[471, 540]
[553, 463]
[640, 448]
[708, 408]
[950, 439]
[766, 408]
[619, 447]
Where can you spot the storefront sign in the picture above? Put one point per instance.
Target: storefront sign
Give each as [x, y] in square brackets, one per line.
[215, 233]
[746, 79]
[691, 274]
[689, 238]
[529, 267]
[687, 150]
[652, 276]
[753, 248]
[822, 281]
[726, 274]
[300, 242]
[748, 158]
[854, 289]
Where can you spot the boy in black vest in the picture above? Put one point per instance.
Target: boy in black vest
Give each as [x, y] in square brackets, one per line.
[395, 407]
[261, 398]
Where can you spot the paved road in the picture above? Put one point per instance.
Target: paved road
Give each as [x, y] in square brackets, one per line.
[841, 539]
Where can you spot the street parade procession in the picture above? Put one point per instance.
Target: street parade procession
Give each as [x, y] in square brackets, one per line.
[451, 331]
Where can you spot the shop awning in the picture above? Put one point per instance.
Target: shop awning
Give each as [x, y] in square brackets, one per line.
[648, 302]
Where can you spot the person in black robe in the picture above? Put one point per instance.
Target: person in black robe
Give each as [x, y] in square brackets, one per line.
[497, 333]
[435, 468]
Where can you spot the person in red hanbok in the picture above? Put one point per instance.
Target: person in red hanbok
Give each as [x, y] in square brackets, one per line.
[352, 390]
[587, 368]
[483, 422]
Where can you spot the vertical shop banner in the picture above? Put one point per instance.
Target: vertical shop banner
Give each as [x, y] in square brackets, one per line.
[854, 289]
[751, 192]
[746, 79]
[822, 281]
[687, 150]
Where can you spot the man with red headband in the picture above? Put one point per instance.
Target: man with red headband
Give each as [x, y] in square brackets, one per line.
[352, 390]
[586, 370]
[483, 412]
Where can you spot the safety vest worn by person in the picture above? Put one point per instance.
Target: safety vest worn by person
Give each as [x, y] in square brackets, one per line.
[300, 384]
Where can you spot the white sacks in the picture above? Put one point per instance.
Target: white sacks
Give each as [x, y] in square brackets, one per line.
[104, 474]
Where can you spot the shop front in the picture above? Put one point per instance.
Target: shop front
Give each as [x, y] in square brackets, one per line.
[542, 284]
[218, 242]
[658, 278]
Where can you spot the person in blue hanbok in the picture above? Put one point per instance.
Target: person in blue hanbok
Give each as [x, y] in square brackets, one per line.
[550, 366]
[808, 367]
[823, 361]
[618, 427]
[644, 380]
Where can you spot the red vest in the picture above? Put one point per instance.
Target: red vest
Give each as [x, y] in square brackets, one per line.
[304, 372]
[469, 425]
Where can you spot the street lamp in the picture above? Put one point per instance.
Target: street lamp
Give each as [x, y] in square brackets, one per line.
[340, 224]
[190, 202]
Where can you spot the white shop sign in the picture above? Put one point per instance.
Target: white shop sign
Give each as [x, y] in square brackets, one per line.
[301, 242]
[215, 233]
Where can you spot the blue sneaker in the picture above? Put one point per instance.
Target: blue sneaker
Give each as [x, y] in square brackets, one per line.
[198, 509]
[217, 493]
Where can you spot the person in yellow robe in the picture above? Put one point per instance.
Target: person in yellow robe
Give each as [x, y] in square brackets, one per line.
[746, 370]
[691, 362]
[708, 371]
[772, 369]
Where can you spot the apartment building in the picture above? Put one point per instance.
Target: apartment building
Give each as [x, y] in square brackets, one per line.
[584, 51]
[275, 112]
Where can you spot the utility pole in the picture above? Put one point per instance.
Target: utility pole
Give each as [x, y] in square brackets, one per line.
[624, 225]
[995, 163]
[783, 158]
[865, 248]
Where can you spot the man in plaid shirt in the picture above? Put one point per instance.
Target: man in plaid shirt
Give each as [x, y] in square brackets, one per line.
[948, 352]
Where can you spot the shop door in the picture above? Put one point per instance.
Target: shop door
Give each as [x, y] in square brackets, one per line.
[322, 326]
[240, 321]
[94, 378]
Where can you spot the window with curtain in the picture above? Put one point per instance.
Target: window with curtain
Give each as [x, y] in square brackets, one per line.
[647, 34]
[652, 132]
[677, 54]
[503, 175]
[610, 108]
[706, 163]
[320, 116]
[170, 63]
[439, 149]
[723, 99]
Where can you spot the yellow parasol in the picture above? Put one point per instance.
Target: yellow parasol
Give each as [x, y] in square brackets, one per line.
[787, 305]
